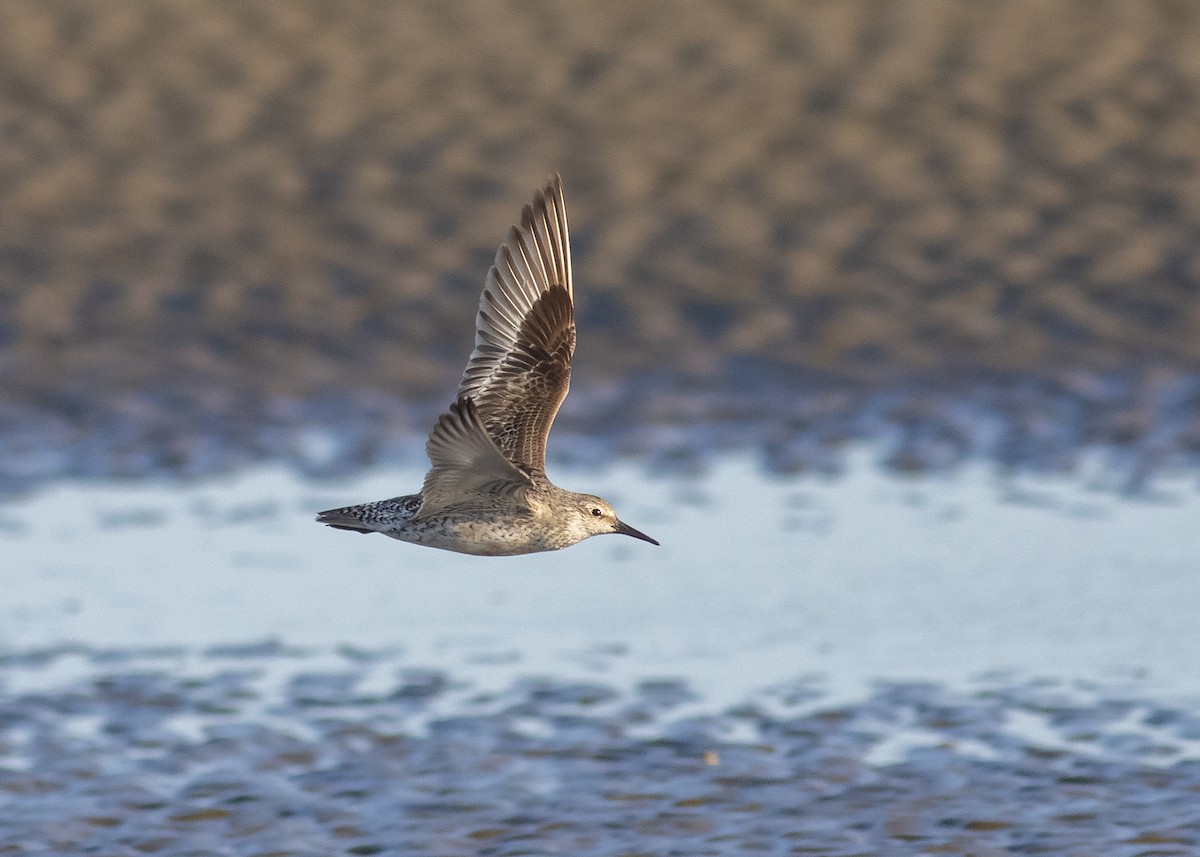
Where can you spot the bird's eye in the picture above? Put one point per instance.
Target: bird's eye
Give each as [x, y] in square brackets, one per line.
[597, 513]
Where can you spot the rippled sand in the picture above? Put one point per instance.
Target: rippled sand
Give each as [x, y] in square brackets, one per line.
[217, 217]
[839, 185]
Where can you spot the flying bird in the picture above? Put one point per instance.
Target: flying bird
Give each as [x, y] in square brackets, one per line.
[486, 492]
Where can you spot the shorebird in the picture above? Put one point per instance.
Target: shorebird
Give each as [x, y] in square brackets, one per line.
[486, 492]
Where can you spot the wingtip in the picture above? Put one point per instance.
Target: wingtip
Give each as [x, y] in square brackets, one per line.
[551, 192]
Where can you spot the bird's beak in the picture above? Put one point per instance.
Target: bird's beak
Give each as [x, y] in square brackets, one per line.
[626, 530]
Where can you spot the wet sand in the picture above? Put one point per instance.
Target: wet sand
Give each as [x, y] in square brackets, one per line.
[270, 752]
[223, 223]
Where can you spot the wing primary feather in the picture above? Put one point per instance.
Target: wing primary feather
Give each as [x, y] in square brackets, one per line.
[564, 237]
[501, 307]
[535, 223]
[527, 276]
[546, 248]
[519, 371]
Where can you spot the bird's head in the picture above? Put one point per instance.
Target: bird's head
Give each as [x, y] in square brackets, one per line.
[594, 516]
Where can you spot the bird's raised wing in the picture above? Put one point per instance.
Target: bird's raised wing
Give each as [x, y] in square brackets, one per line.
[467, 468]
[520, 370]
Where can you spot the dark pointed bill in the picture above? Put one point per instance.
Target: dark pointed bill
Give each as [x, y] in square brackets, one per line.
[626, 530]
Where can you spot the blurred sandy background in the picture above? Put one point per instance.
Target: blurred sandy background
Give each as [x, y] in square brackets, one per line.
[204, 205]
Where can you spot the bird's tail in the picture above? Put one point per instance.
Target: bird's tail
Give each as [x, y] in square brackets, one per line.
[378, 517]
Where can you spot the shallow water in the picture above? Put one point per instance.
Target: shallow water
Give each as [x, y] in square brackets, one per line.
[867, 574]
[863, 664]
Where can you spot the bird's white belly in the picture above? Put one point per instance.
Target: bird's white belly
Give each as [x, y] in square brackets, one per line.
[477, 537]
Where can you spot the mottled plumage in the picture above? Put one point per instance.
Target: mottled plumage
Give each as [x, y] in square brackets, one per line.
[486, 491]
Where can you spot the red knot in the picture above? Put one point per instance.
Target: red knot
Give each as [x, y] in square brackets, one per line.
[486, 491]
